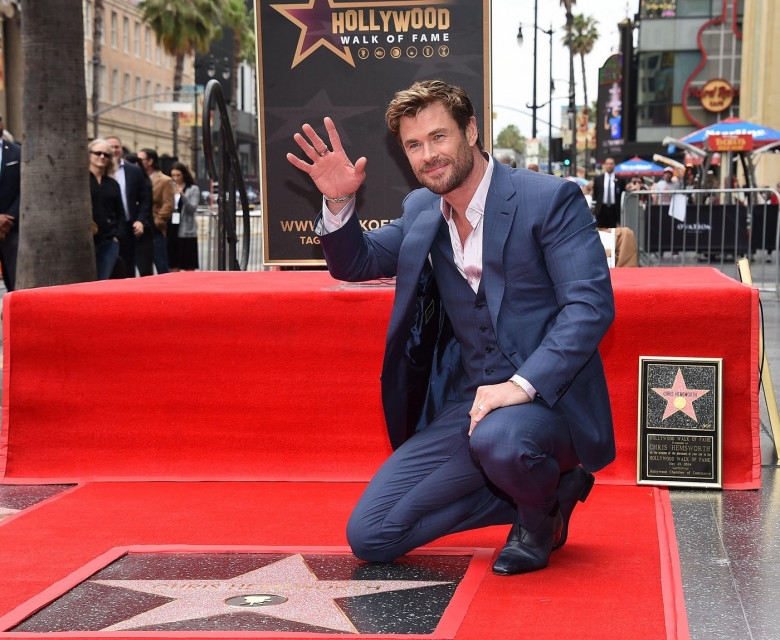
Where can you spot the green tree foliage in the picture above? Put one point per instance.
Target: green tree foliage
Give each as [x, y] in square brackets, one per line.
[581, 39]
[510, 138]
[182, 27]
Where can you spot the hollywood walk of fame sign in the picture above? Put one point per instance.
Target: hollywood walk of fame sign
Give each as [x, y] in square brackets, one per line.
[346, 59]
[679, 440]
[315, 592]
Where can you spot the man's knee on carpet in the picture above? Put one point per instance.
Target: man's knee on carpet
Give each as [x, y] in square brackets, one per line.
[368, 543]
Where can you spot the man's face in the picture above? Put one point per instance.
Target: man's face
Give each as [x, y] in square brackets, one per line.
[609, 165]
[116, 148]
[145, 162]
[440, 155]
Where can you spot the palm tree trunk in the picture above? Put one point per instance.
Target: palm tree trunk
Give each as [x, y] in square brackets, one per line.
[97, 43]
[586, 106]
[584, 82]
[55, 225]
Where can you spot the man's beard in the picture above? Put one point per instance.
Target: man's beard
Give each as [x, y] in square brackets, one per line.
[461, 166]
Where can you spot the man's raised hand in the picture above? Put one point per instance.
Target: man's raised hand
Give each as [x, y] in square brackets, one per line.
[331, 170]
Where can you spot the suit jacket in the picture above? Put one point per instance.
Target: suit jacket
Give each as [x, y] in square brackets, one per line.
[548, 292]
[598, 192]
[139, 201]
[10, 180]
[162, 200]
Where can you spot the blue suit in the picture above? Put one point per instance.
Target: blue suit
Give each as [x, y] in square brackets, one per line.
[547, 301]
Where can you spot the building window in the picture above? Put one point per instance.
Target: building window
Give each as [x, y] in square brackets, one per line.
[694, 9]
[126, 87]
[137, 43]
[103, 81]
[158, 55]
[149, 98]
[148, 43]
[661, 80]
[138, 91]
[114, 30]
[115, 85]
[126, 34]
[88, 20]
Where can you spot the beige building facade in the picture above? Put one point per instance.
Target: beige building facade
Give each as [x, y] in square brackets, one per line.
[760, 90]
[135, 74]
[135, 78]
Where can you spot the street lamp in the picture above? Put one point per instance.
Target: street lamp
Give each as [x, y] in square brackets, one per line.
[534, 106]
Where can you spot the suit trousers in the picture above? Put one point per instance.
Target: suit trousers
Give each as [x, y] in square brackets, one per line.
[144, 253]
[9, 248]
[442, 480]
[608, 216]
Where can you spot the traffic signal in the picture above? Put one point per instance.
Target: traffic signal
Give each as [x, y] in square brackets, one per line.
[566, 161]
[556, 149]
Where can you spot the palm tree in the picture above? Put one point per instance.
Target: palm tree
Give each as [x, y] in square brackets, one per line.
[581, 40]
[55, 226]
[182, 27]
[572, 101]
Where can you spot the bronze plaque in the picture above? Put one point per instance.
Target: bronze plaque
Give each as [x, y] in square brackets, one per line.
[680, 440]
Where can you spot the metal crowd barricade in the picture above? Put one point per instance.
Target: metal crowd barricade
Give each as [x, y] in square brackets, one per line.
[712, 227]
[207, 239]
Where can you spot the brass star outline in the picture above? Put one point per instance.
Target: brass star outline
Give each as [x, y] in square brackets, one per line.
[302, 51]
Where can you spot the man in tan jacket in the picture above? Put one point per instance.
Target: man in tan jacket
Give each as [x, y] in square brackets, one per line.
[162, 205]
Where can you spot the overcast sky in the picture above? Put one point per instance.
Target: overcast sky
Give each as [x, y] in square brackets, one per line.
[513, 64]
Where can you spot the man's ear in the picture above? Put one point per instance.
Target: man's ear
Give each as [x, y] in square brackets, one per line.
[472, 132]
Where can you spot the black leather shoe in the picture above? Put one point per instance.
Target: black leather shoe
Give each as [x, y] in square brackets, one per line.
[574, 485]
[526, 550]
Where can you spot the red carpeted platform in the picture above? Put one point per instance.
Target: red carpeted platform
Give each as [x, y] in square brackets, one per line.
[243, 409]
[275, 375]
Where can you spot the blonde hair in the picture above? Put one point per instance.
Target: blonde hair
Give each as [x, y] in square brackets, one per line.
[425, 93]
[110, 165]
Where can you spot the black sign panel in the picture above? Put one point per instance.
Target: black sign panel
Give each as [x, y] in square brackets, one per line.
[680, 421]
[346, 59]
[721, 228]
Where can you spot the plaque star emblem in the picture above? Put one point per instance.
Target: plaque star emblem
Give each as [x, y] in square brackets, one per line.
[286, 589]
[316, 23]
[679, 397]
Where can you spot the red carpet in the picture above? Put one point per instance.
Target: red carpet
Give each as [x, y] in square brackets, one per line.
[276, 374]
[269, 383]
[607, 582]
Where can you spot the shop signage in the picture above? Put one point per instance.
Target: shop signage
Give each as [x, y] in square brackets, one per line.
[716, 95]
[730, 142]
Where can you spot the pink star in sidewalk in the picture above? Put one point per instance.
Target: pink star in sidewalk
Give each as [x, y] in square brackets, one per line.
[286, 589]
[4, 511]
[679, 397]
